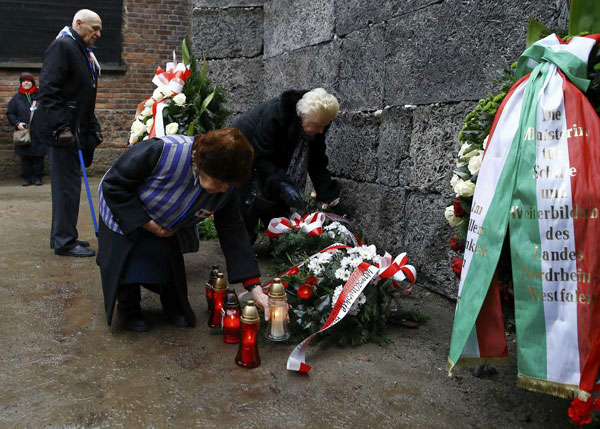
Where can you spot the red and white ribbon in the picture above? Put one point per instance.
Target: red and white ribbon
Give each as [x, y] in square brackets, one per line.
[359, 279]
[397, 270]
[170, 82]
[311, 223]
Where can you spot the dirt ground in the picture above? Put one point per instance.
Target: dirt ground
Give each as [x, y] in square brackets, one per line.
[62, 366]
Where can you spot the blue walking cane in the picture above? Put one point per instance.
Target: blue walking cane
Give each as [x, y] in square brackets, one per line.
[85, 180]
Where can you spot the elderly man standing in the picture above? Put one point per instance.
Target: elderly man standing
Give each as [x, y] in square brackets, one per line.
[65, 119]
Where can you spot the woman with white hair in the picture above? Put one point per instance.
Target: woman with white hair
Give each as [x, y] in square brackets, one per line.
[288, 136]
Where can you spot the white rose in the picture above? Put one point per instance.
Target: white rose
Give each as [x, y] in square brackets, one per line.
[149, 102]
[485, 141]
[454, 180]
[137, 128]
[133, 139]
[157, 94]
[171, 128]
[475, 162]
[464, 188]
[146, 112]
[179, 99]
[449, 215]
[149, 124]
[463, 149]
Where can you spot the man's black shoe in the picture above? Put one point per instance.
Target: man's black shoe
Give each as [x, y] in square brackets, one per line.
[37, 180]
[76, 251]
[27, 181]
[83, 243]
[178, 320]
[132, 321]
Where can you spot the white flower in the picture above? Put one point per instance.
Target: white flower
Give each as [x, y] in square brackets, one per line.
[342, 274]
[146, 112]
[179, 99]
[454, 181]
[138, 128]
[463, 149]
[367, 252]
[171, 128]
[149, 102]
[485, 141]
[149, 125]
[157, 94]
[133, 139]
[449, 215]
[464, 188]
[358, 302]
[475, 162]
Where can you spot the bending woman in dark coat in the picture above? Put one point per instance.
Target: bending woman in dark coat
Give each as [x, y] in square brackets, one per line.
[288, 136]
[18, 114]
[150, 202]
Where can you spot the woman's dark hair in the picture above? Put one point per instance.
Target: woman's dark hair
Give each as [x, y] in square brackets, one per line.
[224, 154]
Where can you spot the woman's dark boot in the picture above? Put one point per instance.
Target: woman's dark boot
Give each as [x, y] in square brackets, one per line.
[129, 311]
[37, 181]
[26, 181]
[171, 307]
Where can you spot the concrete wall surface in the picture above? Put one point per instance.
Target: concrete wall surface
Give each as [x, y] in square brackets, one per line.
[406, 72]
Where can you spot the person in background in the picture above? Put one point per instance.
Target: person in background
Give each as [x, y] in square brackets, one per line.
[19, 113]
[150, 202]
[66, 120]
[288, 136]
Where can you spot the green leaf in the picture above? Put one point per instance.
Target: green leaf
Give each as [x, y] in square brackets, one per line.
[185, 50]
[536, 31]
[584, 16]
[206, 102]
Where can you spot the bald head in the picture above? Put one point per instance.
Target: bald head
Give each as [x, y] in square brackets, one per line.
[88, 25]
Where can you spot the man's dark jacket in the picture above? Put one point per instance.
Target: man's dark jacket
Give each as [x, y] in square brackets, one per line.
[273, 128]
[67, 95]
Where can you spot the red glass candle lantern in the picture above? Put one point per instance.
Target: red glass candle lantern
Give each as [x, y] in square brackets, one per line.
[231, 318]
[208, 287]
[218, 299]
[247, 355]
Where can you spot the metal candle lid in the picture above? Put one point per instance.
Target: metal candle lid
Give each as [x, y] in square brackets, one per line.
[250, 313]
[231, 299]
[277, 290]
[213, 272]
[220, 284]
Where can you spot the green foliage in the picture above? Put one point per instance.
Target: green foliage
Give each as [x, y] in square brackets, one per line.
[296, 245]
[207, 230]
[584, 17]
[536, 31]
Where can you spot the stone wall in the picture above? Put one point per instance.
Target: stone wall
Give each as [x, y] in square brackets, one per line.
[406, 72]
[151, 29]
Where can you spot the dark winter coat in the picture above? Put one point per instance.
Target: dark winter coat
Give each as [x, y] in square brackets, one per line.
[18, 111]
[120, 188]
[67, 95]
[273, 128]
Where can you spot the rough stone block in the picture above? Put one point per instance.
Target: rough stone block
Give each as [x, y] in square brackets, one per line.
[362, 69]
[352, 15]
[226, 33]
[453, 50]
[352, 143]
[293, 24]
[10, 164]
[394, 143]
[311, 67]
[434, 145]
[242, 80]
[426, 241]
[227, 3]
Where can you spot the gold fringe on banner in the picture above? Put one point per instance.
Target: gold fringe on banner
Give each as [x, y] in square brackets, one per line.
[566, 391]
[475, 361]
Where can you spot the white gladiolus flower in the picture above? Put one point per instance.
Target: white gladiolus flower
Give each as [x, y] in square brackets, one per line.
[358, 303]
[138, 128]
[449, 215]
[179, 99]
[475, 162]
[464, 188]
[172, 128]
[149, 124]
